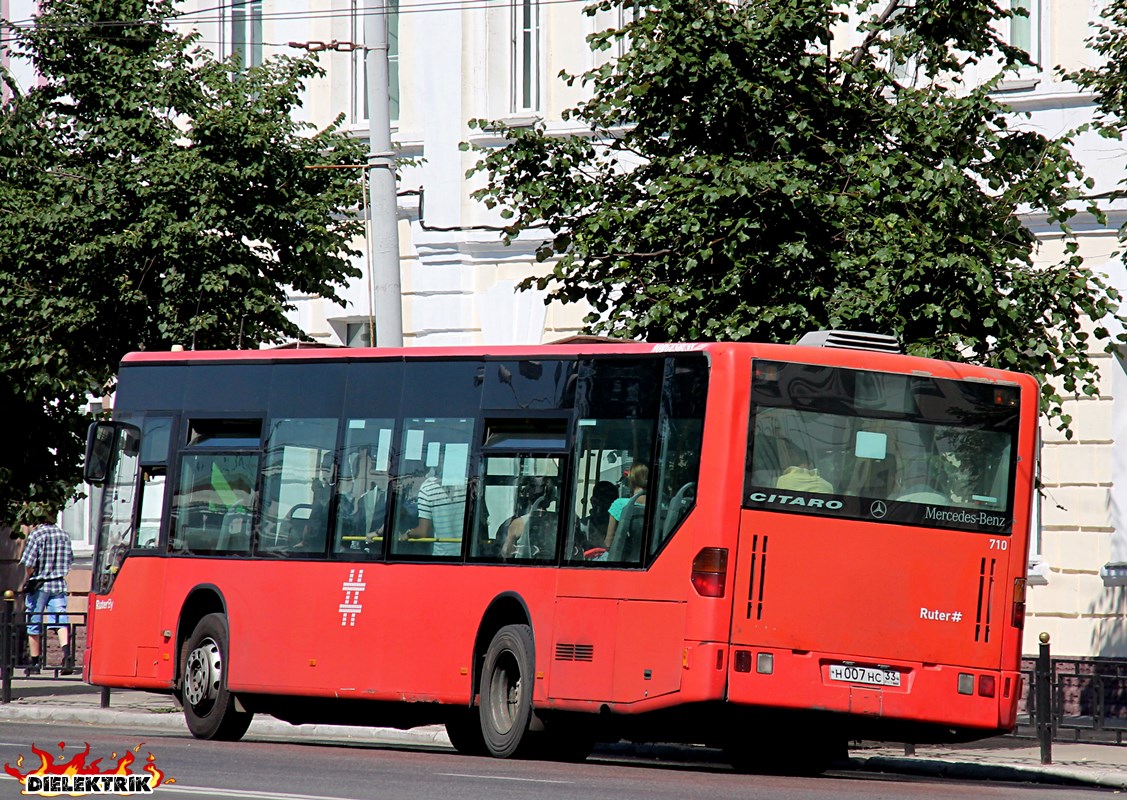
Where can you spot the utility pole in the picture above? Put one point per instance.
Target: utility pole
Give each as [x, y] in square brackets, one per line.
[387, 296]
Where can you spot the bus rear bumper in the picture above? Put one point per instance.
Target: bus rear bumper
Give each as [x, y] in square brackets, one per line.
[941, 695]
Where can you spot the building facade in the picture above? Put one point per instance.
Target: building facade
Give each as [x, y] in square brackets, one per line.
[1078, 567]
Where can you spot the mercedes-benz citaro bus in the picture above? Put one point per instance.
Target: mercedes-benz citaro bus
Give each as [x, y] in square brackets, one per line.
[770, 549]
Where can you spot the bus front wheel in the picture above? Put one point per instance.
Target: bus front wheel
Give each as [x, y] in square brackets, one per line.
[506, 691]
[209, 707]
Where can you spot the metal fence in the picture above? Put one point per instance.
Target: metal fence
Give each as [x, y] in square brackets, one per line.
[15, 657]
[1077, 700]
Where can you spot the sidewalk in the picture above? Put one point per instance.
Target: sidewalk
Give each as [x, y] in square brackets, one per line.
[1003, 758]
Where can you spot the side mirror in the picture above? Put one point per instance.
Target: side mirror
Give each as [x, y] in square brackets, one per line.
[99, 452]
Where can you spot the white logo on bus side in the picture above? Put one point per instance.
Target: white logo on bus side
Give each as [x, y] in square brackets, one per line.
[795, 500]
[941, 616]
[351, 605]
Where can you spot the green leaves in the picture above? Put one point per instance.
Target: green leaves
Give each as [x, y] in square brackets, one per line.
[742, 179]
[151, 197]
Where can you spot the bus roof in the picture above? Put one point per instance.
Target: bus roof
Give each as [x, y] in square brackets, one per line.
[585, 346]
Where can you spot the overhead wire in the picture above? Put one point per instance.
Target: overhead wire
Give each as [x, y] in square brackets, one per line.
[182, 19]
[189, 17]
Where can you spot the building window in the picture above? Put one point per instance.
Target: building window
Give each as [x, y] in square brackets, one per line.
[246, 32]
[615, 19]
[1025, 27]
[628, 13]
[77, 520]
[358, 334]
[903, 69]
[526, 55]
[360, 67]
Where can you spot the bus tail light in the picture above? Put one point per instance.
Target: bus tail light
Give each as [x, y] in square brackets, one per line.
[710, 571]
[986, 685]
[1018, 620]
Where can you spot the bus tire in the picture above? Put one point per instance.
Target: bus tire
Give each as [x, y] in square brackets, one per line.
[506, 692]
[209, 708]
[464, 730]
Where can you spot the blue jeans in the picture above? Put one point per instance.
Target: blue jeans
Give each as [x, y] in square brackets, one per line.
[45, 608]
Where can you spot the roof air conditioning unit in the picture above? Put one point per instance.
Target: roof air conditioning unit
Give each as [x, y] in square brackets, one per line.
[852, 340]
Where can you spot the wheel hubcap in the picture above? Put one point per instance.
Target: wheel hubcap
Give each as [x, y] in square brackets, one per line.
[203, 674]
[506, 694]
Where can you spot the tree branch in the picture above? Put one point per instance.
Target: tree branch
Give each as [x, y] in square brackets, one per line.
[892, 7]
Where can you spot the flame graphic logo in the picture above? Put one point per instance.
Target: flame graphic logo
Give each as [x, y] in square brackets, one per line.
[78, 765]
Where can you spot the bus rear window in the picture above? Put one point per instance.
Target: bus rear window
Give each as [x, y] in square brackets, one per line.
[902, 449]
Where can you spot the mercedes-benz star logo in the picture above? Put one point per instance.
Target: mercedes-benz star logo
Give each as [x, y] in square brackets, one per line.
[878, 509]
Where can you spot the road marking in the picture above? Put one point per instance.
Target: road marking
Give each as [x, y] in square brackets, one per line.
[498, 778]
[251, 794]
[248, 794]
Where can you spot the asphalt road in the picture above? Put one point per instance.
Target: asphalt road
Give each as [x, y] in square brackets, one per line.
[276, 768]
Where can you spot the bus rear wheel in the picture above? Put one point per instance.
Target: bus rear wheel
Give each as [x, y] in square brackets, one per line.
[209, 708]
[506, 692]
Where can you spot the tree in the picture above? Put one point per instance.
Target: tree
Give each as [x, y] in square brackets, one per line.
[1109, 81]
[149, 196]
[746, 175]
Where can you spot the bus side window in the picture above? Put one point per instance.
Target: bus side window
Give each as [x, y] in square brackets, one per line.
[684, 391]
[518, 516]
[156, 440]
[152, 506]
[363, 488]
[297, 475]
[603, 458]
[499, 502]
[214, 500]
[432, 486]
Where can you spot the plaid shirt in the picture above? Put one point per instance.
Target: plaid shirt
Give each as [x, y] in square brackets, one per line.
[49, 554]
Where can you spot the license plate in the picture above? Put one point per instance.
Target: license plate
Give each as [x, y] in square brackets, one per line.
[870, 675]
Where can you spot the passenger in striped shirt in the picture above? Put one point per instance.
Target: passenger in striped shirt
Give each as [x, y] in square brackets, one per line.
[442, 513]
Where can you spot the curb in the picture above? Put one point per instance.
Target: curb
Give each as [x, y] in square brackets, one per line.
[172, 721]
[1015, 773]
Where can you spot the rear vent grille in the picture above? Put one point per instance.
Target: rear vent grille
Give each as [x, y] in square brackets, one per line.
[758, 577]
[575, 652]
[985, 596]
[851, 340]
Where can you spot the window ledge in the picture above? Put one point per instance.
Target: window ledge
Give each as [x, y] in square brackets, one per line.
[1038, 573]
[526, 120]
[492, 137]
[1017, 85]
[1114, 574]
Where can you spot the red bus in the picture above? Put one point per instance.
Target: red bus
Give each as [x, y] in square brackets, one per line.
[750, 546]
